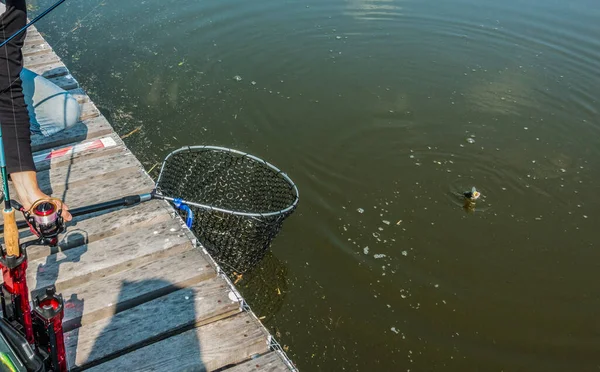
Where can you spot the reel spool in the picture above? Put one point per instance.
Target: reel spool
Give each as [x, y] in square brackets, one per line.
[45, 219]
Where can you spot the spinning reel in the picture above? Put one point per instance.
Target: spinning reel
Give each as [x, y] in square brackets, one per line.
[45, 220]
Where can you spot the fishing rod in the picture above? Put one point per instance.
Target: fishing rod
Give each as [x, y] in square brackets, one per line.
[35, 335]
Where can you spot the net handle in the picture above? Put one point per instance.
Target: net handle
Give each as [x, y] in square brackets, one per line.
[243, 154]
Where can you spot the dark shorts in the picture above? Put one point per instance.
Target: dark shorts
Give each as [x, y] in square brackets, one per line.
[14, 117]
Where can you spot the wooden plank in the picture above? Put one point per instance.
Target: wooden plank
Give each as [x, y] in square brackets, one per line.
[103, 190]
[33, 37]
[39, 60]
[81, 156]
[94, 227]
[100, 299]
[77, 266]
[86, 129]
[32, 31]
[199, 304]
[88, 171]
[205, 348]
[36, 46]
[270, 362]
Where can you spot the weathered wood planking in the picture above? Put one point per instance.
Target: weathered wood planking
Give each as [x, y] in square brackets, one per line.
[226, 342]
[104, 190]
[90, 128]
[32, 32]
[87, 171]
[90, 228]
[114, 254]
[70, 159]
[38, 60]
[35, 46]
[270, 362]
[136, 286]
[199, 304]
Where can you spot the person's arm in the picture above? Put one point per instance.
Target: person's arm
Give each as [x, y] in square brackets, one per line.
[14, 117]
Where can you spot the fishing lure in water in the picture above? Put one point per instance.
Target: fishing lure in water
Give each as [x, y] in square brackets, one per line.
[472, 195]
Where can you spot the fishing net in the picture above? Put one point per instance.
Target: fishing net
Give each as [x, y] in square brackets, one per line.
[239, 201]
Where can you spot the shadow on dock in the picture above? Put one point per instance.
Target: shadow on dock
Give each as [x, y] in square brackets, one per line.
[112, 333]
[137, 311]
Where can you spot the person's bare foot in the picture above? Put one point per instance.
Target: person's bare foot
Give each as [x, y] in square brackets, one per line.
[29, 192]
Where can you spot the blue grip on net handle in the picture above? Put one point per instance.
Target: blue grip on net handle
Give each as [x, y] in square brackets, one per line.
[189, 218]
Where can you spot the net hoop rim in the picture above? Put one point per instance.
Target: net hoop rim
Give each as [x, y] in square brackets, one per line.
[279, 172]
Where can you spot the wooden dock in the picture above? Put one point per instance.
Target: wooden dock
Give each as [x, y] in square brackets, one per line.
[140, 294]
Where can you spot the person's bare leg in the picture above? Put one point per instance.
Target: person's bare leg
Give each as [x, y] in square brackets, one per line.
[29, 192]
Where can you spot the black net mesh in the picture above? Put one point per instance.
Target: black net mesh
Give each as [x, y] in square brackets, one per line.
[246, 201]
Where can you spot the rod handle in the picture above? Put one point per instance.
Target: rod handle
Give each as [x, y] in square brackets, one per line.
[11, 233]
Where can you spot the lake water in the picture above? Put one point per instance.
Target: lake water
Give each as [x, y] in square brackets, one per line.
[383, 112]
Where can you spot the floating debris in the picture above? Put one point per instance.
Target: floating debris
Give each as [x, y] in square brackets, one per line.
[379, 255]
[393, 329]
[398, 223]
[386, 222]
[253, 82]
[338, 37]
[360, 210]
[404, 253]
[132, 132]
[366, 250]
[237, 78]
[470, 140]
